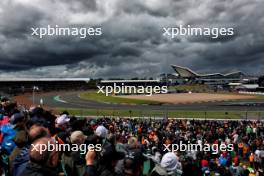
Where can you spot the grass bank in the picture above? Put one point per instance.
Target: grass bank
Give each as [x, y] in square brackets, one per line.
[99, 97]
[170, 114]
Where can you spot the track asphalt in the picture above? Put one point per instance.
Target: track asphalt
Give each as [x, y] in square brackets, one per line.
[72, 100]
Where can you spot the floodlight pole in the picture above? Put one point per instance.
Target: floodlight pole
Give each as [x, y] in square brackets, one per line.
[33, 95]
[41, 102]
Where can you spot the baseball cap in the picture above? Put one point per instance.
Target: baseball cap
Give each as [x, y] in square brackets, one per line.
[77, 135]
[63, 119]
[16, 118]
[36, 111]
[169, 161]
[207, 172]
[101, 131]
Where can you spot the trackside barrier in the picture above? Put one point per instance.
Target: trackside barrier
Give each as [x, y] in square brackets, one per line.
[175, 118]
[251, 93]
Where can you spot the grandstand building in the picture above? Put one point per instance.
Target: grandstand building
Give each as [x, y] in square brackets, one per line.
[21, 85]
[144, 83]
[216, 79]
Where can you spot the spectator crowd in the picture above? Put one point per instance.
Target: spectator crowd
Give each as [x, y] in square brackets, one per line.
[126, 146]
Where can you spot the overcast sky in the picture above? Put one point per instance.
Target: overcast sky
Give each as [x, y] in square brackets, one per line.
[132, 43]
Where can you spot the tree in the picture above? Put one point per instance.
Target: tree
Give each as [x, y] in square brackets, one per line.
[261, 81]
[92, 84]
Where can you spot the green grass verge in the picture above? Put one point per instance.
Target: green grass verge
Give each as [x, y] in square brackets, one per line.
[170, 114]
[259, 97]
[99, 97]
[198, 88]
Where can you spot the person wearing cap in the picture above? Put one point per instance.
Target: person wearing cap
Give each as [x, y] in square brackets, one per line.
[72, 161]
[18, 122]
[99, 137]
[62, 130]
[207, 173]
[133, 163]
[77, 137]
[17, 118]
[169, 165]
[101, 132]
[62, 121]
[106, 164]
[236, 169]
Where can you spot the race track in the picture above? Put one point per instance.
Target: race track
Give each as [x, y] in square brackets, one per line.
[72, 100]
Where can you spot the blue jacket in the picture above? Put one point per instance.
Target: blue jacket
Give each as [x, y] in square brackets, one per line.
[20, 162]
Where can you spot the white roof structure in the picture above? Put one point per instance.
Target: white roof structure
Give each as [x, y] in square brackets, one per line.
[129, 81]
[185, 72]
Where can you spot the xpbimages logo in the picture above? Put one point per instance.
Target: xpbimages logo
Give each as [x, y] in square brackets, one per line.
[81, 32]
[183, 147]
[189, 30]
[123, 89]
[82, 148]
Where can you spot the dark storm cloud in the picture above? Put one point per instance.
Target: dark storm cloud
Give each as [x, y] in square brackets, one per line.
[81, 5]
[48, 53]
[132, 43]
[16, 26]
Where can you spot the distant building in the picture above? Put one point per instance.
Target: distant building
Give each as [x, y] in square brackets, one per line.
[130, 82]
[21, 85]
[171, 79]
[216, 79]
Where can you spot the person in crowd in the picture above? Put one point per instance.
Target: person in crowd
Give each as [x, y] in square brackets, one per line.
[73, 162]
[42, 162]
[62, 123]
[133, 163]
[128, 146]
[106, 164]
[169, 165]
[21, 160]
[19, 124]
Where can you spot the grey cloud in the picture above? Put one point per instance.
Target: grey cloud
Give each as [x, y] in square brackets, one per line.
[16, 19]
[132, 43]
